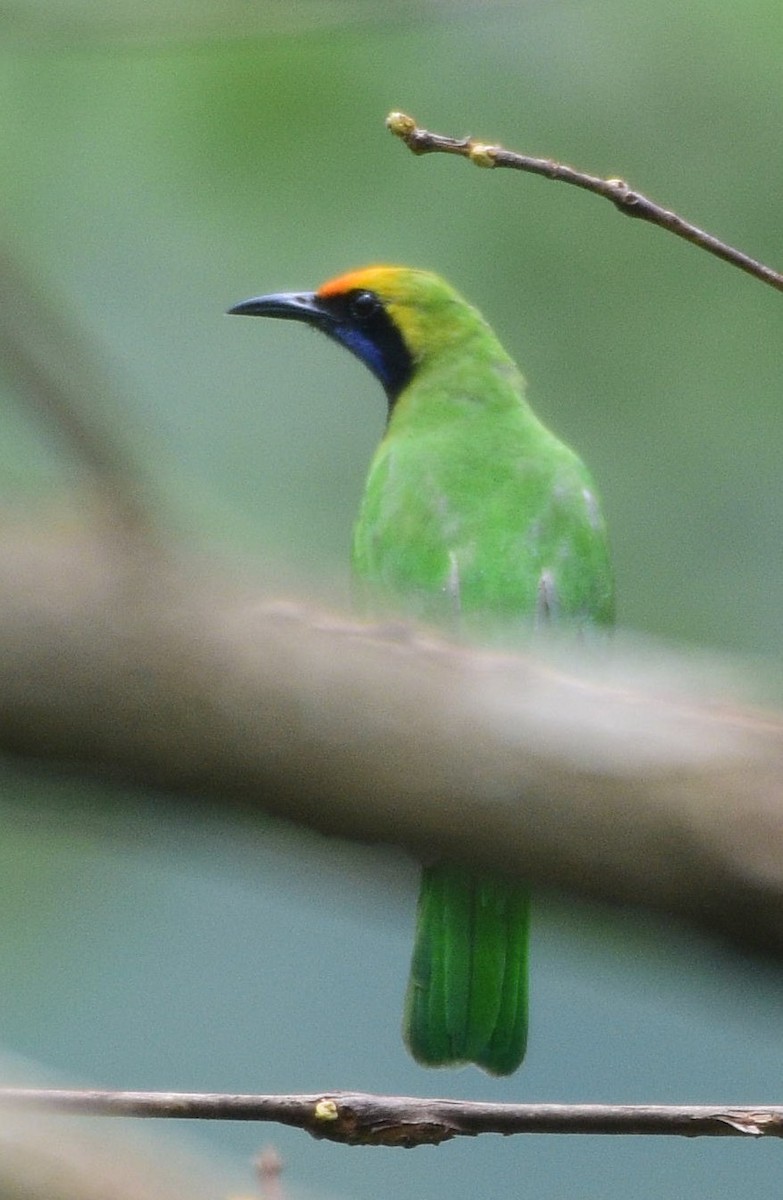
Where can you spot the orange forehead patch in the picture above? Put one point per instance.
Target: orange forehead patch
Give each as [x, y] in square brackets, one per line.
[369, 278]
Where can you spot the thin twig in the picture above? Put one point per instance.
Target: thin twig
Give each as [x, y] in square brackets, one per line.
[356, 1118]
[625, 199]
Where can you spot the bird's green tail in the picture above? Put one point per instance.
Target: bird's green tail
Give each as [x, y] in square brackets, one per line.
[467, 994]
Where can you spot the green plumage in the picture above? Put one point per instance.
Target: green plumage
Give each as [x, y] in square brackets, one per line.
[477, 519]
[467, 993]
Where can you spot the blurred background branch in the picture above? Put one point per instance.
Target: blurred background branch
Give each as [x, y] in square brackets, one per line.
[608, 779]
[55, 371]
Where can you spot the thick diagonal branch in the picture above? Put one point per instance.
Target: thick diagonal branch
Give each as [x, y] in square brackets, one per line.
[590, 780]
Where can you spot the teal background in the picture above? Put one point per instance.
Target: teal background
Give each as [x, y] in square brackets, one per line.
[150, 181]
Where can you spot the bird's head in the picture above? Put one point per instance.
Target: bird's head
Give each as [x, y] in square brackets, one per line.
[392, 318]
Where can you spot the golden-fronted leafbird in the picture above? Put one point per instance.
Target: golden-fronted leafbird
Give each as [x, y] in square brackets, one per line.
[477, 518]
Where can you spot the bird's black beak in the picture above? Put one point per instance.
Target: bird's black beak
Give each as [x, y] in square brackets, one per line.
[292, 306]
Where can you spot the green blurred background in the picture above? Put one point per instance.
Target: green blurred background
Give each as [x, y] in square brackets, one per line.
[160, 165]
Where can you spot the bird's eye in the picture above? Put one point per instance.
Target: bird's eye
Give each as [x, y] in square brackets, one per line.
[363, 305]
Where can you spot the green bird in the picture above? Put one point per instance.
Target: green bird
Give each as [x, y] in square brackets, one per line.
[478, 519]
